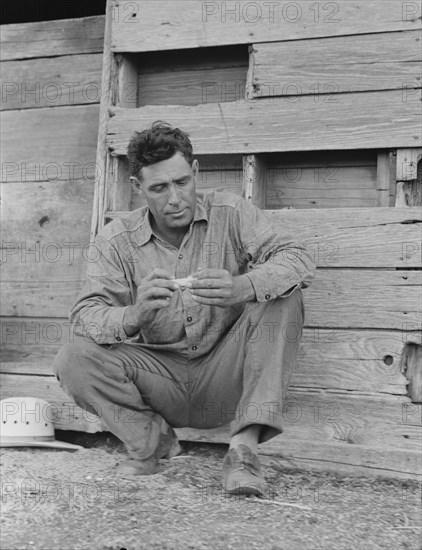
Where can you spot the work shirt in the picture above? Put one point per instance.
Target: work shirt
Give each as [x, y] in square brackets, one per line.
[227, 232]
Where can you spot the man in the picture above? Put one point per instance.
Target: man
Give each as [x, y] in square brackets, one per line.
[156, 351]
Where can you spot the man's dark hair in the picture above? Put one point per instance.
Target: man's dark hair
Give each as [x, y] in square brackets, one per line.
[160, 142]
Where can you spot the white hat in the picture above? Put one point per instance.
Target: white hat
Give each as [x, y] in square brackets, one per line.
[27, 422]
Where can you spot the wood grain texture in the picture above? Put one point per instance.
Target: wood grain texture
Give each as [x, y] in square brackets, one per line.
[52, 38]
[366, 361]
[407, 163]
[321, 187]
[352, 237]
[102, 159]
[372, 424]
[357, 237]
[169, 25]
[192, 77]
[47, 211]
[384, 61]
[254, 175]
[51, 82]
[374, 120]
[49, 143]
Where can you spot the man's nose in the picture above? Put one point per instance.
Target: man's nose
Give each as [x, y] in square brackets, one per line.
[174, 197]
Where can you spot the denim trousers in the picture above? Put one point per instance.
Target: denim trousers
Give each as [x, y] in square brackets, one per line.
[242, 381]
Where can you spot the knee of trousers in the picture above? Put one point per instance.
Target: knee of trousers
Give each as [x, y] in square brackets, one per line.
[73, 367]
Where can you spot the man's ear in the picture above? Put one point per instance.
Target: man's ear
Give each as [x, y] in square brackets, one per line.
[136, 184]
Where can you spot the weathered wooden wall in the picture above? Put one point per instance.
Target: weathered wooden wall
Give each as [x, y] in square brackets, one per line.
[317, 115]
[51, 89]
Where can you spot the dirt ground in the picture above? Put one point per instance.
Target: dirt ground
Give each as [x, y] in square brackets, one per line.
[73, 500]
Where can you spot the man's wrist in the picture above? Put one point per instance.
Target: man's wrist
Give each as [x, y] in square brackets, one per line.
[248, 293]
[131, 324]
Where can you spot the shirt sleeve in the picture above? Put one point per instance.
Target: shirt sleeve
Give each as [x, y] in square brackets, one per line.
[278, 263]
[101, 304]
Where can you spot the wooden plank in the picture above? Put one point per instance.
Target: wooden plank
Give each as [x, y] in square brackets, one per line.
[374, 422]
[383, 179]
[124, 83]
[374, 120]
[28, 345]
[407, 163]
[49, 144]
[321, 187]
[328, 66]
[51, 82]
[342, 298]
[321, 161]
[353, 360]
[397, 456]
[52, 38]
[254, 180]
[208, 75]
[124, 86]
[353, 460]
[409, 178]
[192, 87]
[46, 212]
[101, 199]
[170, 25]
[353, 237]
[46, 276]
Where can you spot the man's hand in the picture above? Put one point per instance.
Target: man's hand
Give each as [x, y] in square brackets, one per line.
[216, 287]
[153, 294]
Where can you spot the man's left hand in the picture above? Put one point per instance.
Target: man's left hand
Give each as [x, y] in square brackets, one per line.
[216, 287]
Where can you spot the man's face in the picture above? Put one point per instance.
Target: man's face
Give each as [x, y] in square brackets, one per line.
[169, 187]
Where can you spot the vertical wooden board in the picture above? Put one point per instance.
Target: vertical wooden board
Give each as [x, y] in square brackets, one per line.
[407, 163]
[383, 179]
[329, 66]
[124, 82]
[102, 155]
[409, 179]
[170, 25]
[52, 38]
[254, 179]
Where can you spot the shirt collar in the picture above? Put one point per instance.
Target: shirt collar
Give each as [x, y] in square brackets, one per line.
[146, 232]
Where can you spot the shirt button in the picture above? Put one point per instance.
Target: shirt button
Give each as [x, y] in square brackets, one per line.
[194, 348]
[267, 296]
[180, 256]
[189, 319]
[118, 338]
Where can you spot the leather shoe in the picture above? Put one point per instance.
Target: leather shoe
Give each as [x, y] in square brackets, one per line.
[168, 446]
[242, 472]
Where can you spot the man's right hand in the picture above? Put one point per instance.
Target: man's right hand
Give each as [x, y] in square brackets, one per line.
[153, 294]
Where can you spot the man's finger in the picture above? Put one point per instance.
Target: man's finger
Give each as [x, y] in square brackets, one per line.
[206, 283]
[157, 292]
[210, 273]
[158, 273]
[208, 293]
[162, 283]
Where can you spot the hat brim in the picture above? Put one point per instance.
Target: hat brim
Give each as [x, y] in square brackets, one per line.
[22, 442]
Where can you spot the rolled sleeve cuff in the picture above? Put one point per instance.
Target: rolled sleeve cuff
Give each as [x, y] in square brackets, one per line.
[265, 289]
[109, 331]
